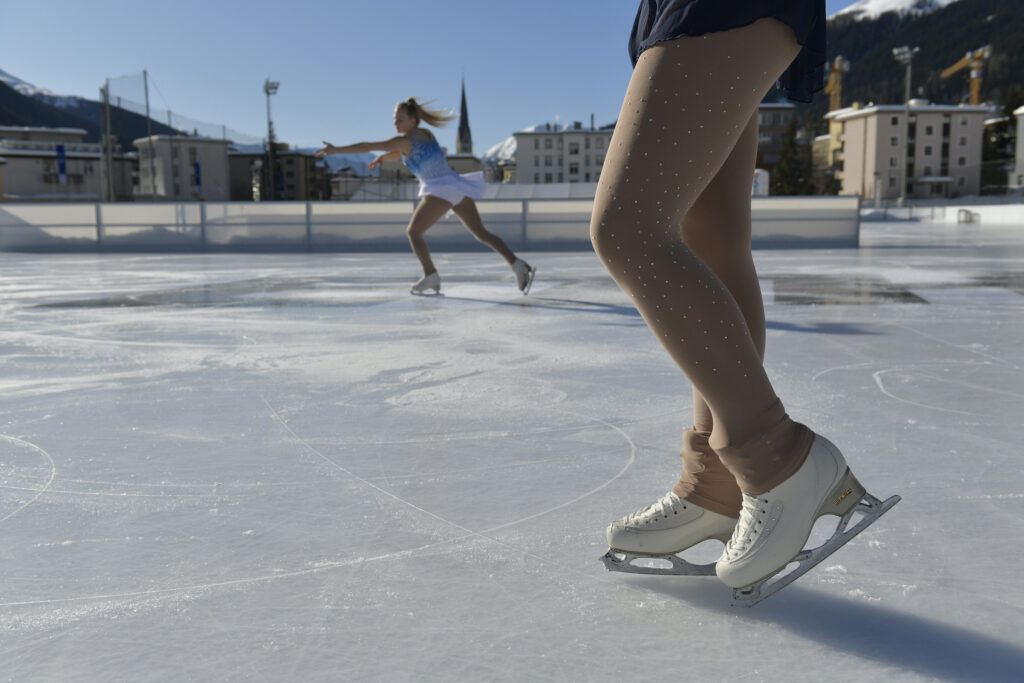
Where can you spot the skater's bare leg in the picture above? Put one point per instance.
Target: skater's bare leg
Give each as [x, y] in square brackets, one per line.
[469, 215]
[428, 211]
[717, 228]
[687, 106]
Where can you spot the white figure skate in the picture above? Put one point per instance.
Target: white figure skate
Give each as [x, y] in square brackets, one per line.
[524, 275]
[432, 281]
[774, 526]
[659, 531]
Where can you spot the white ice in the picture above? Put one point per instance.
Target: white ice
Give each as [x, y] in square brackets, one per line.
[285, 468]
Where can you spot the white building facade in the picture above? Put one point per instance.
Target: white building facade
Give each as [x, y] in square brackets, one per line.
[937, 152]
[1017, 177]
[182, 168]
[550, 154]
[54, 164]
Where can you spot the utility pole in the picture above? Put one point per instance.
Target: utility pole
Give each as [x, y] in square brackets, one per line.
[152, 142]
[905, 55]
[108, 152]
[270, 88]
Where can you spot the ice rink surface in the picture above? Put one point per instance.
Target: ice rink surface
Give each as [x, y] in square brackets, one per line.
[285, 468]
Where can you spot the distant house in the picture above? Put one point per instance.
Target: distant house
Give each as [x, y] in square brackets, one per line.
[939, 149]
[1017, 177]
[300, 176]
[54, 164]
[182, 168]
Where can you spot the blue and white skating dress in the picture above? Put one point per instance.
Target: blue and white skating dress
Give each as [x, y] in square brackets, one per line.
[428, 163]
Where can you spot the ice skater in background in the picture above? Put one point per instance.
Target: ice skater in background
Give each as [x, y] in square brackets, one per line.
[442, 189]
[671, 223]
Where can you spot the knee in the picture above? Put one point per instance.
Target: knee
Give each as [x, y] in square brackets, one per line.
[607, 231]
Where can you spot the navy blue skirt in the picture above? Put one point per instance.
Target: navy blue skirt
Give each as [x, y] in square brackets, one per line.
[660, 20]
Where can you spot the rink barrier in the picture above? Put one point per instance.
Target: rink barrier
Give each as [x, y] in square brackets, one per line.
[524, 224]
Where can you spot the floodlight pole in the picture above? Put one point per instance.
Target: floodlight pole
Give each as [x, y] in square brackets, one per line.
[270, 88]
[905, 55]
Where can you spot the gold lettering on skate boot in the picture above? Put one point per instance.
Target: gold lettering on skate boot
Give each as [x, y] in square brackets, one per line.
[840, 499]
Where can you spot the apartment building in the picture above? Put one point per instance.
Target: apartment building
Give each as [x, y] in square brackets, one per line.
[936, 152]
[553, 154]
[183, 168]
[54, 164]
[1017, 177]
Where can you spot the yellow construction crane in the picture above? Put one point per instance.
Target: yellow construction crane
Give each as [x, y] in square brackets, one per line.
[834, 89]
[975, 60]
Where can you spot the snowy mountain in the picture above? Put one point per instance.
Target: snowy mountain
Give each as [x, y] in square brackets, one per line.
[21, 86]
[872, 9]
[502, 152]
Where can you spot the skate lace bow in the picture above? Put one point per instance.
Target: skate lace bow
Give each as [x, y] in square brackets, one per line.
[746, 529]
[662, 508]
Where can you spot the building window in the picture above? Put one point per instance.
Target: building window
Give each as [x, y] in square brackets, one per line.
[961, 161]
[561, 179]
[963, 141]
[586, 177]
[894, 142]
[547, 177]
[547, 143]
[892, 182]
[963, 120]
[961, 181]
[574, 167]
[536, 178]
[895, 120]
[927, 150]
[547, 160]
[927, 170]
[561, 161]
[536, 143]
[892, 162]
[536, 161]
[574, 148]
[599, 160]
[929, 130]
[586, 143]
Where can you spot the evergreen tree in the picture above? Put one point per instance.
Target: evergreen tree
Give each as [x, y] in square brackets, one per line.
[793, 175]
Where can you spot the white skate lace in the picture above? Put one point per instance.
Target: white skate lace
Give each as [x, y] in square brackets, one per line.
[745, 531]
[663, 507]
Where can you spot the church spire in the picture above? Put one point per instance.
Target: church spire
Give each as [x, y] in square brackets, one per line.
[464, 144]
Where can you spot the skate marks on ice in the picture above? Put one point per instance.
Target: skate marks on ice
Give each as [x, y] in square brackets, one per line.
[467, 532]
[131, 599]
[21, 475]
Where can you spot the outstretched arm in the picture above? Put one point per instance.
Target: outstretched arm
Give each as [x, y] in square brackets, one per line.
[398, 144]
[389, 156]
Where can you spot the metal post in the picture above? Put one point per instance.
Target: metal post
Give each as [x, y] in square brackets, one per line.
[202, 226]
[99, 227]
[108, 151]
[522, 234]
[149, 135]
[309, 225]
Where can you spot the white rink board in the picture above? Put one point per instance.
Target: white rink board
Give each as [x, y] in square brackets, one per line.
[529, 223]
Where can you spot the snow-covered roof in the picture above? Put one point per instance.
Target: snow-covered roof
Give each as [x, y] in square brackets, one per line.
[42, 129]
[179, 138]
[1019, 111]
[850, 113]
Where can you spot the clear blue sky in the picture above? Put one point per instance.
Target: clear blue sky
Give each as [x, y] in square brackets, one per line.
[342, 64]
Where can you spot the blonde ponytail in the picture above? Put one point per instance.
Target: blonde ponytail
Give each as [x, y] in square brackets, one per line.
[423, 114]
